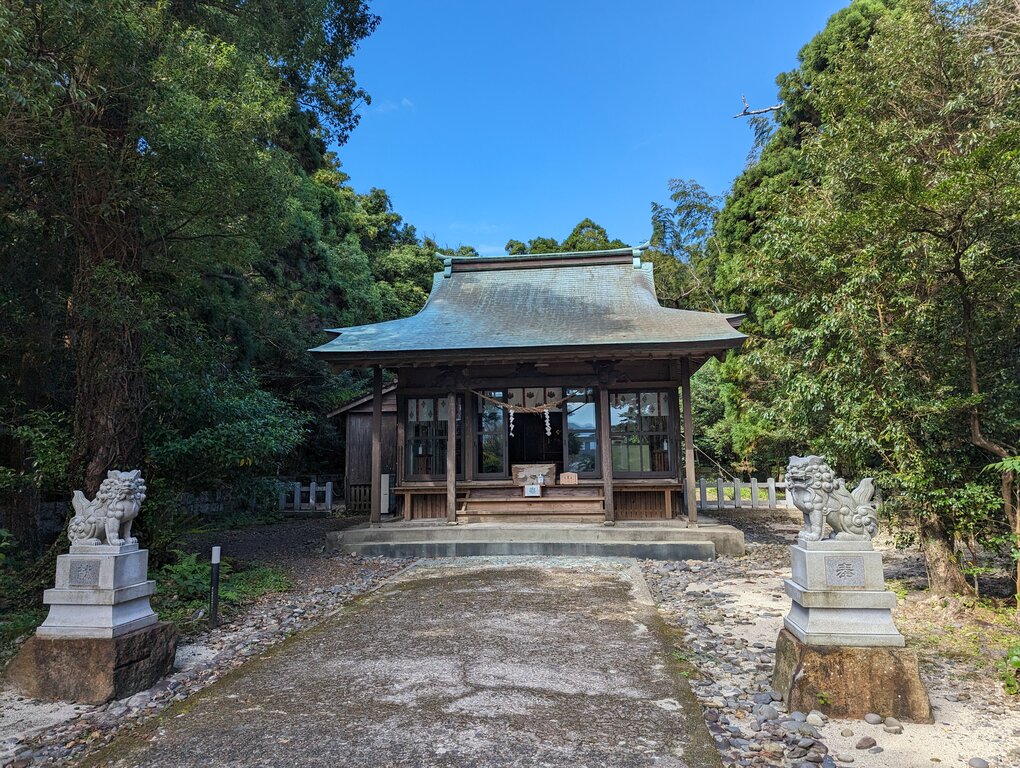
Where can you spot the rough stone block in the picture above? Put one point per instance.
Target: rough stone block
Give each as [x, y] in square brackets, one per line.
[93, 670]
[334, 542]
[850, 682]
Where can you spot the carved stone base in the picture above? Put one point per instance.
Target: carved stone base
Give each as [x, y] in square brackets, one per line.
[850, 682]
[93, 670]
[101, 591]
[839, 595]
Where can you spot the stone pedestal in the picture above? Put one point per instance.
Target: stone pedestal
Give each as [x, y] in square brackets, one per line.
[840, 651]
[850, 682]
[101, 591]
[101, 639]
[92, 670]
[839, 595]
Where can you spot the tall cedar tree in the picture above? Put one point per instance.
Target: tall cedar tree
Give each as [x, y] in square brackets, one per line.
[135, 127]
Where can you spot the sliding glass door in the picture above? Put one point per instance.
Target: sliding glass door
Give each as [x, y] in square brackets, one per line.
[491, 434]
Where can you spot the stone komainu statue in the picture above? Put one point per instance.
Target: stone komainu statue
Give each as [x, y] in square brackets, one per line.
[108, 517]
[824, 498]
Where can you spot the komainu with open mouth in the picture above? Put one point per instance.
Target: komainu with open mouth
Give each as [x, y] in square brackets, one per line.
[824, 498]
[108, 517]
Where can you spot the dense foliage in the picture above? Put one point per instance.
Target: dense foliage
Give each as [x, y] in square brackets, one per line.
[586, 236]
[174, 236]
[874, 248]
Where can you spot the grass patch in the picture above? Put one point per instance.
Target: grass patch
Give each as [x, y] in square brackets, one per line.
[14, 624]
[22, 581]
[977, 632]
[183, 589]
[898, 588]
[234, 520]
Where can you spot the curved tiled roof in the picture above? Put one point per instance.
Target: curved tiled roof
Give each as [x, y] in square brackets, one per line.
[599, 304]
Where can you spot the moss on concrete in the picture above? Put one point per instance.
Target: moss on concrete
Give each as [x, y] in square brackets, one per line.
[494, 667]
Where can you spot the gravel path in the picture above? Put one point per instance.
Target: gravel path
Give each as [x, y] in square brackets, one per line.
[731, 612]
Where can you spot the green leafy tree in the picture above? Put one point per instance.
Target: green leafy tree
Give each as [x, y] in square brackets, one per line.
[586, 236]
[589, 236]
[885, 285]
[684, 250]
[143, 134]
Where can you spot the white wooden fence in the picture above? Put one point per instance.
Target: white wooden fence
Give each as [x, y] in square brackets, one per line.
[314, 496]
[739, 494]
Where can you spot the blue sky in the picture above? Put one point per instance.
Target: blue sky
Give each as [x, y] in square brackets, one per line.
[497, 120]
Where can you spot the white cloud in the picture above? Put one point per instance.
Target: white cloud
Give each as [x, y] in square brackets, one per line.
[389, 105]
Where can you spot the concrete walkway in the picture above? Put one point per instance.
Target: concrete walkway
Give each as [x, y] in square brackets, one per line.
[482, 662]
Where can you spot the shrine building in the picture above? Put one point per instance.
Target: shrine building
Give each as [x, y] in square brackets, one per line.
[560, 371]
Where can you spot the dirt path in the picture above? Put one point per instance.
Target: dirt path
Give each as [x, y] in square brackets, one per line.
[295, 546]
[468, 663]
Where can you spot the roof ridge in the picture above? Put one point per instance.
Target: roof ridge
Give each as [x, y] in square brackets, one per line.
[629, 255]
[627, 249]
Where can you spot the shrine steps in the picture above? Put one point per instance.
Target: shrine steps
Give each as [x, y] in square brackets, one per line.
[519, 509]
[661, 540]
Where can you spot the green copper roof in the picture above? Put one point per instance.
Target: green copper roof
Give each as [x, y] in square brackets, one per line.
[601, 304]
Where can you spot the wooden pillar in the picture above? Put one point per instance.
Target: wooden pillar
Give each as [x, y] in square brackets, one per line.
[685, 394]
[676, 442]
[375, 508]
[606, 455]
[469, 418]
[451, 457]
[401, 439]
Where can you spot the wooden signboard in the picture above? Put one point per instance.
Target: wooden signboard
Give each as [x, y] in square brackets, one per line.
[568, 478]
[527, 474]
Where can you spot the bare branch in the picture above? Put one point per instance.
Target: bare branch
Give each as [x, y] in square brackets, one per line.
[748, 112]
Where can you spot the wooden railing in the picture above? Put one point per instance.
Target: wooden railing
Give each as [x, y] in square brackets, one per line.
[314, 496]
[739, 494]
[359, 498]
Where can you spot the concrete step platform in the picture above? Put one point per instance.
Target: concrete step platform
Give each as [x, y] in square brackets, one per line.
[660, 540]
